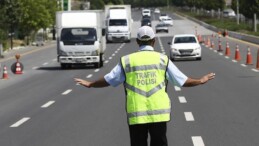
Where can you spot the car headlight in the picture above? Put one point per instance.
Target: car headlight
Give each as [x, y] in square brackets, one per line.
[198, 48]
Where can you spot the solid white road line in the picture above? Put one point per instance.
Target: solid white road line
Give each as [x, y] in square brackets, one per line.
[47, 104]
[197, 141]
[182, 99]
[89, 76]
[66, 92]
[177, 88]
[189, 116]
[20, 122]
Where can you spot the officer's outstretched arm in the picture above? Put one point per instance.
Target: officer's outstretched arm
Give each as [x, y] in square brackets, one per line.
[96, 84]
[194, 82]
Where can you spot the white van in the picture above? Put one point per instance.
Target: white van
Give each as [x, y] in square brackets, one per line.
[146, 12]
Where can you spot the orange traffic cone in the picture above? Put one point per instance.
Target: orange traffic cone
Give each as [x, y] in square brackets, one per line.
[199, 38]
[227, 53]
[249, 57]
[212, 44]
[220, 49]
[257, 64]
[5, 74]
[208, 41]
[18, 69]
[237, 54]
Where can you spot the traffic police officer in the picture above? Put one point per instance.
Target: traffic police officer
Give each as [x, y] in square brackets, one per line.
[145, 74]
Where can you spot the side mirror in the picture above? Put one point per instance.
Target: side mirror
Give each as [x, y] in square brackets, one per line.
[103, 32]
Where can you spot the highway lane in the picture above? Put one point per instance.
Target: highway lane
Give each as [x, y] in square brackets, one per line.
[48, 108]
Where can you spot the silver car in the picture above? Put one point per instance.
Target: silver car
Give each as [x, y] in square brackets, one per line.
[162, 27]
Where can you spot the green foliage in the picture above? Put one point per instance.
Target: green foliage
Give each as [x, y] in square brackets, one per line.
[26, 16]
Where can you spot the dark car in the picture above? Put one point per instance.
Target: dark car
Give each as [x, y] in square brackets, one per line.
[146, 22]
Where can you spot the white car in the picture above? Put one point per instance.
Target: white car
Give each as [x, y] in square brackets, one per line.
[168, 21]
[163, 16]
[185, 46]
[146, 12]
[157, 11]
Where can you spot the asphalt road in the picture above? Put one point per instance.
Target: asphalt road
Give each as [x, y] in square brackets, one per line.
[44, 107]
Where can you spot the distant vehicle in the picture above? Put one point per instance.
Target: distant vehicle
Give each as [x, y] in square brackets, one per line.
[157, 11]
[39, 41]
[118, 23]
[163, 16]
[146, 16]
[146, 12]
[162, 27]
[229, 13]
[168, 21]
[146, 22]
[185, 46]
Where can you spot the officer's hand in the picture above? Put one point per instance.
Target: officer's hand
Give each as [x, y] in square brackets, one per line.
[207, 77]
[83, 82]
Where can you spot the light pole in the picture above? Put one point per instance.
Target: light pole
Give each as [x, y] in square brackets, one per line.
[237, 11]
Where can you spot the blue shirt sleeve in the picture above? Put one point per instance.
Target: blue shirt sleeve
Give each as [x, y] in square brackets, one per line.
[116, 76]
[174, 75]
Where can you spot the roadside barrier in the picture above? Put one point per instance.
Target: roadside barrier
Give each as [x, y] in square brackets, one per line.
[249, 60]
[227, 52]
[5, 73]
[237, 54]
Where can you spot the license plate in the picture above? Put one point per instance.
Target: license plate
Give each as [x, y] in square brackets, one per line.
[79, 60]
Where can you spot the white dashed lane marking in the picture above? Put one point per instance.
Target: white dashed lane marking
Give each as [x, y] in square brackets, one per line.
[177, 88]
[189, 116]
[46, 63]
[182, 99]
[197, 141]
[47, 104]
[96, 70]
[89, 76]
[66, 92]
[20, 122]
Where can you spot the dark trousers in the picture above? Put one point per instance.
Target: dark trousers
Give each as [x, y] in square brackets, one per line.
[139, 134]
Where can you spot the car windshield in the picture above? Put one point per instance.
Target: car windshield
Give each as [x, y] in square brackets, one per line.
[118, 22]
[78, 34]
[179, 40]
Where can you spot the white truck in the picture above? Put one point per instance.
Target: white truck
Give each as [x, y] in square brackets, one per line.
[118, 23]
[80, 38]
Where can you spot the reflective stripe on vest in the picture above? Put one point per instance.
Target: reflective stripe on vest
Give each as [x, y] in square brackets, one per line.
[146, 113]
[144, 93]
[128, 69]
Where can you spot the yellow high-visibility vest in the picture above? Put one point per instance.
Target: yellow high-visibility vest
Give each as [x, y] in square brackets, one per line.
[145, 85]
